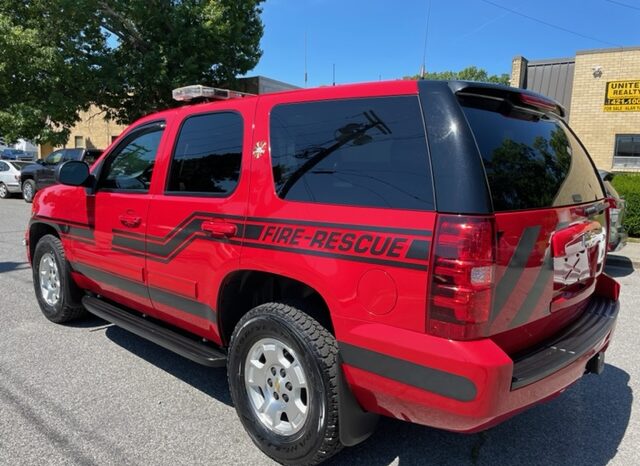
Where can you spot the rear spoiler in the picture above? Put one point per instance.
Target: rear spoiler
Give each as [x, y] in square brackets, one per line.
[519, 97]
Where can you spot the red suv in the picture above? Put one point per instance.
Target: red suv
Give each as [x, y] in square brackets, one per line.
[430, 251]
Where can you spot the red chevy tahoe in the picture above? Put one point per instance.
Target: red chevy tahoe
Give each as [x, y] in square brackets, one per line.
[430, 251]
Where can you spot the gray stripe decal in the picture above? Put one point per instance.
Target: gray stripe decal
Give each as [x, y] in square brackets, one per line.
[426, 378]
[170, 299]
[529, 304]
[515, 268]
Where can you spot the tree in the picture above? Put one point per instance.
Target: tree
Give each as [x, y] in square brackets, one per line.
[471, 73]
[58, 57]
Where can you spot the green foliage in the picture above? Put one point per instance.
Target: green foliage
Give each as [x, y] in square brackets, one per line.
[628, 186]
[471, 73]
[57, 57]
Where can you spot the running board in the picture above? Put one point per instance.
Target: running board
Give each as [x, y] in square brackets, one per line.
[169, 339]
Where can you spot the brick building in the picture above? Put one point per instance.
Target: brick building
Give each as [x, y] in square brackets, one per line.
[601, 91]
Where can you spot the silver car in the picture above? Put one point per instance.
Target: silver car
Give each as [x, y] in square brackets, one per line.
[10, 177]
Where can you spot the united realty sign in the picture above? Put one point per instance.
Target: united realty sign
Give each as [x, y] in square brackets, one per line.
[622, 96]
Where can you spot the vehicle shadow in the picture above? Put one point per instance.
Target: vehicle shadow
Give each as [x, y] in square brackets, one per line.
[212, 381]
[11, 266]
[619, 266]
[584, 426]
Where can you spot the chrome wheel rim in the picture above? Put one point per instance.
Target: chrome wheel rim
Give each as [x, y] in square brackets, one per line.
[3, 190]
[276, 384]
[49, 279]
[27, 191]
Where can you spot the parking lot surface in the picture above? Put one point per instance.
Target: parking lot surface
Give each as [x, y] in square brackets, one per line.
[91, 393]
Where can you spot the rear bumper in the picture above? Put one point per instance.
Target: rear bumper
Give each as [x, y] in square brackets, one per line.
[467, 386]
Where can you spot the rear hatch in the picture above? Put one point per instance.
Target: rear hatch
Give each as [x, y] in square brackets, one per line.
[549, 213]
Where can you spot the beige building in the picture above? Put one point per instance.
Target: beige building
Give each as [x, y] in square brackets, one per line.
[600, 90]
[93, 131]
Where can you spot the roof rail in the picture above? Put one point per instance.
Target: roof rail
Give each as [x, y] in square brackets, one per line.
[198, 92]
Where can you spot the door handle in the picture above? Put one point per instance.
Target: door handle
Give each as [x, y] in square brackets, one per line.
[131, 221]
[219, 229]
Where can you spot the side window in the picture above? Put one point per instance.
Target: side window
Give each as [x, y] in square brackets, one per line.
[359, 152]
[91, 156]
[207, 155]
[3, 167]
[54, 158]
[130, 166]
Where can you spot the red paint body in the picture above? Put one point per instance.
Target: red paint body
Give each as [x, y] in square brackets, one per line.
[380, 307]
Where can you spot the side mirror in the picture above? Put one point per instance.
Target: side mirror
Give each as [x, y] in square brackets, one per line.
[72, 173]
[40, 161]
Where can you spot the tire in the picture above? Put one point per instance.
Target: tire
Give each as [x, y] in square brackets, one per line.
[315, 351]
[4, 191]
[61, 302]
[28, 190]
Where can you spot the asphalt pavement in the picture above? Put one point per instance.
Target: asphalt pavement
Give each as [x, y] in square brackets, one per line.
[90, 393]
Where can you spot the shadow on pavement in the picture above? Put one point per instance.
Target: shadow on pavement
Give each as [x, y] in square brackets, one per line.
[11, 266]
[619, 266]
[584, 426]
[212, 381]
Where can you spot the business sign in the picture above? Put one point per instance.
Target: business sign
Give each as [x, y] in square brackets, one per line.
[622, 96]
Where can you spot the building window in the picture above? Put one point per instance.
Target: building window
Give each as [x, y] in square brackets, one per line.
[79, 142]
[627, 151]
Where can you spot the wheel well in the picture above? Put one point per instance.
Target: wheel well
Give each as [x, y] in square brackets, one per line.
[24, 178]
[244, 290]
[37, 231]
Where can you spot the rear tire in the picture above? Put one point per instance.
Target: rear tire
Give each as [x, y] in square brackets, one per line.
[28, 190]
[4, 191]
[301, 382]
[56, 292]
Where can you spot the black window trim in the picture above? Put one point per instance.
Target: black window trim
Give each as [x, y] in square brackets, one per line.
[167, 192]
[150, 127]
[427, 152]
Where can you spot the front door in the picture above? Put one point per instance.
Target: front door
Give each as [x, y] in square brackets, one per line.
[120, 214]
[195, 224]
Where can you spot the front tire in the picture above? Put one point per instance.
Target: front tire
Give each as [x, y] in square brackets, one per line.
[57, 294]
[283, 374]
[28, 190]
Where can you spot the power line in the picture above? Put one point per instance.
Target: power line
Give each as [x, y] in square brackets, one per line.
[624, 4]
[555, 26]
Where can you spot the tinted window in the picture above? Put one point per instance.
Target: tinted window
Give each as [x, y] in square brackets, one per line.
[91, 155]
[3, 167]
[207, 155]
[531, 160]
[363, 152]
[72, 154]
[131, 166]
[54, 158]
[19, 165]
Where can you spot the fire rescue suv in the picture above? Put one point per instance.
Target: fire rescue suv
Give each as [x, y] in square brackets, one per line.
[430, 251]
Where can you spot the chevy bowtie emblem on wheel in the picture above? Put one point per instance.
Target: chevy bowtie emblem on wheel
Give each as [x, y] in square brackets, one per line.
[259, 149]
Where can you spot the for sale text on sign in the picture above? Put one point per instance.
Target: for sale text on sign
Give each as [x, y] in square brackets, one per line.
[622, 96]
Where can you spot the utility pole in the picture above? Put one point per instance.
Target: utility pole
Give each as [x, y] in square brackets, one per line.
[305, 59]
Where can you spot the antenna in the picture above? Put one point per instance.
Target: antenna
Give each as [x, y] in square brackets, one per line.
[305, 59]
[423, 68]
[334, 74]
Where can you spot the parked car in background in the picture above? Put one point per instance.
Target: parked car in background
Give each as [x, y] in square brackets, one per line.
[10, 177]
[618, 234]
[41, 174]
[15, 154]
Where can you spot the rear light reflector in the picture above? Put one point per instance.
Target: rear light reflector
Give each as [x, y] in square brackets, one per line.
[462, 277]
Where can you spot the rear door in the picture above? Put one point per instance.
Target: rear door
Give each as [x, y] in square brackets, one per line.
[196, 221]
[550, 216]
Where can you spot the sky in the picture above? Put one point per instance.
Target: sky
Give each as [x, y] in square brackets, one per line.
[368, 40]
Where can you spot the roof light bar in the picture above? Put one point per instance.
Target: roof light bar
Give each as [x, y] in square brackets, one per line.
[199, 92]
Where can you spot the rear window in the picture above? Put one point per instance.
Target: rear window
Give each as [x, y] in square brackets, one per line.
[359, 152]
[531, 160]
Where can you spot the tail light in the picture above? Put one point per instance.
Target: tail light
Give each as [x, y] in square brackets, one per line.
[462, 277]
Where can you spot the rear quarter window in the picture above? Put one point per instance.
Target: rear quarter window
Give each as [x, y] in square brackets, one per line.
[531, 160]
[367, 152]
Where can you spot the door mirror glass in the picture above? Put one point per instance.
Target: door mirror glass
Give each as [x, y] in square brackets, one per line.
[73, 173]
